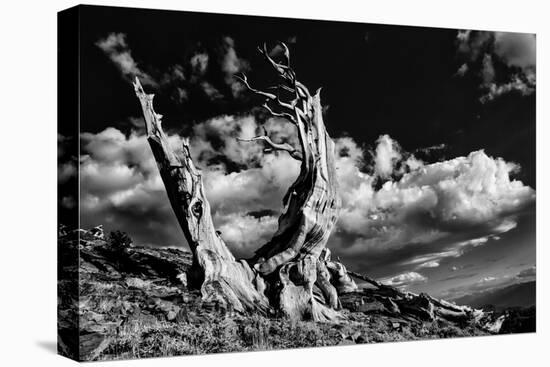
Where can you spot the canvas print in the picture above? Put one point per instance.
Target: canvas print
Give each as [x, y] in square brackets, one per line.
[235, 183]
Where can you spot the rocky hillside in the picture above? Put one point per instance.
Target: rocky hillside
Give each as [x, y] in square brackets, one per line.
[124, 301]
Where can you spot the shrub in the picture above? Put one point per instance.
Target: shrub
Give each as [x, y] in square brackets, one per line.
[119, 239]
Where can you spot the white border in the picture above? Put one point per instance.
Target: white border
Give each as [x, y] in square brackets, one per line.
[28, 181]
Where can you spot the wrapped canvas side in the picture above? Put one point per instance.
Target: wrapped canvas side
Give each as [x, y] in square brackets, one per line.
[67, 194]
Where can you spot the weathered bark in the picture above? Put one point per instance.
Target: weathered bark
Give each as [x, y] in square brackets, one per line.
[295, 266]
[225, 280]
[309, 282]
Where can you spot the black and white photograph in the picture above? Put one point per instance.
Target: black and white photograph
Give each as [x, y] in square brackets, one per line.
[235, 183]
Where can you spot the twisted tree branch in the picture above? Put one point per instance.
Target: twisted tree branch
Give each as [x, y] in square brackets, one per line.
[280, 114]
[296, 154]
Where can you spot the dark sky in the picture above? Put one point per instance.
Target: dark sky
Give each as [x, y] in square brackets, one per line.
[438, 93]
[377, 79]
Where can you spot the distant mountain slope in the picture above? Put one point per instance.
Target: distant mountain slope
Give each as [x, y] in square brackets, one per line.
[515, 295]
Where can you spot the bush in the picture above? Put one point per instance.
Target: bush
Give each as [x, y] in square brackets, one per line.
[119, 239]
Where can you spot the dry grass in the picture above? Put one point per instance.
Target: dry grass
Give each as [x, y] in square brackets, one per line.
[142, 311]
[235, 334]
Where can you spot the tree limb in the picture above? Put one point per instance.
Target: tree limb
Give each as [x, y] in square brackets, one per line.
[283, 70]
[221, 278]
[268, 96]
[366, 279]
[286, 115]
[276, 146]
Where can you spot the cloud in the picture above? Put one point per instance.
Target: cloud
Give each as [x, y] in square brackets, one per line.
[488, 279]
[387, 155]
[471, 44]
[458, 276]
[115, 46]
[199, 63]
[453, 249]
[524, 85]
[197, 77]
[198, 72]
[486, 283]
[527, 273]
[429, 264]
[244, 186]
[413, 221]
[120, 187]
[458, 192]
[488, 70]
[404, 280]
[434, 212]
[210, 91]
[67, 174]
[516, 49]
[231, 64]
[515, 54]
[246, 232]
[462, 70]
[205, 63]
[66, 171]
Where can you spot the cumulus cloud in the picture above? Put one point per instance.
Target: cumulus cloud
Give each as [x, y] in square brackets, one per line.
[199, 63]
[121, 187]
[387, 155]
[232, 64]
[433, 212]
[515, 54]
[115, 46]
[516, 49]
[246, 232]
[524, 85]
[67, 174]
[472, 189]
[66, 171]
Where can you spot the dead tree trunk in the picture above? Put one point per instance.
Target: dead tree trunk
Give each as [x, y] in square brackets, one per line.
[225, 280]
[294, 268]
[307, 281]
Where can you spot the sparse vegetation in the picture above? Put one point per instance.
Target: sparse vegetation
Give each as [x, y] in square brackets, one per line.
[233, 334]
[120, 239]
[132, 304]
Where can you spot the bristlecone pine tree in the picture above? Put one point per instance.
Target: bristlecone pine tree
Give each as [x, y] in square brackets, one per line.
[293, 273]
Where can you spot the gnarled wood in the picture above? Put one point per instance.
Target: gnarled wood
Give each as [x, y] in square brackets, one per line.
[294, 153]
[306, 280]
[301, 282]
[225, 280]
